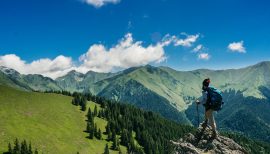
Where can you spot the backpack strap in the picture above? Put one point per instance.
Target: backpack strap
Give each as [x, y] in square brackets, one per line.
[208, 96]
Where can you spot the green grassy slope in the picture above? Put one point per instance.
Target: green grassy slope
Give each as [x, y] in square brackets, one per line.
[49, 121]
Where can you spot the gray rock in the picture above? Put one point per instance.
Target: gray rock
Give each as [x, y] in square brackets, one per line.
[202, 142]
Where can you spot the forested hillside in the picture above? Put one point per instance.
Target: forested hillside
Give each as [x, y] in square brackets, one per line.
[169, 92]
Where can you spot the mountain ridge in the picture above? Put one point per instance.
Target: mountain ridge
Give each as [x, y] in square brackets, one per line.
[148, 65]
[176, 90]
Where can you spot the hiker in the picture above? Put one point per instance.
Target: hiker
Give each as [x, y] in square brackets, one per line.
[205, 101]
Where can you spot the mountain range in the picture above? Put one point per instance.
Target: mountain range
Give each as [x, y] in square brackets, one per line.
[170, 92]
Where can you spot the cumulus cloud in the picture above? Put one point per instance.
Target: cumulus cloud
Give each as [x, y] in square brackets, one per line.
[129, 53]
[100, 3]
[237, 47]
[198, 48]
[126, 53]
[204, 56]
[47, 67]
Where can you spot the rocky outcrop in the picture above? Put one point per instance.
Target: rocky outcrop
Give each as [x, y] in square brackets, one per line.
[202, 142]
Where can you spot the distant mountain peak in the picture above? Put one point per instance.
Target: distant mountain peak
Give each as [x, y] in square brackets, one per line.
[150, 66]
[90, 72]
[8, 71]
[73, 72]
[93, 72]
[262, 64]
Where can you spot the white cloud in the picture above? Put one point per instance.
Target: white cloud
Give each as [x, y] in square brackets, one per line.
[47, 67]
[198, 48]
[204, 56]
[127, 53]
[100, 3]
[187, 42]
[237, 47]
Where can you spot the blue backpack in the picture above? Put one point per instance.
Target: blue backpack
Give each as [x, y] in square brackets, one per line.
[215, 98]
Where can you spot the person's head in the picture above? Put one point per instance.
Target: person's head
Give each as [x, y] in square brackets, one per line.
[205, 84]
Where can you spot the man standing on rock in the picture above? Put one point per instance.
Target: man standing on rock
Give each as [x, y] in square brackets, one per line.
[209, 108]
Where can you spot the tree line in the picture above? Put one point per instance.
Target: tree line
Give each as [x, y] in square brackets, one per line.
[140, 131]
[143, 131]
[20, 148]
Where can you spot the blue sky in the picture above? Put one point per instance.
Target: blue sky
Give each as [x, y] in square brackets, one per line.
[42, 30]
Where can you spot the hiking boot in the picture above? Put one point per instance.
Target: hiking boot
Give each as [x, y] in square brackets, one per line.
[214, 134]
[204, 124]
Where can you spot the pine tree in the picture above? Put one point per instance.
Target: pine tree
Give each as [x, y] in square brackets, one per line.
[102, 113]
[120, 151]
[115, 145]
[73, 101]
[91, 133]
[84, 106]
[108, 132]
[88, 96]
[95, 111]
[102, 104]
[89, 113]
[83, 103]
[118, 143]
[36, 152]
[17, 148]
[90, 116]
[99, 134]
[30, 149]
[99, 114]
[106, 151]
[88, 127]
[95, 130]
[10, 148]
[124, 137]
[80, 101]
[77, 100]
[24, 148]
[113, 135]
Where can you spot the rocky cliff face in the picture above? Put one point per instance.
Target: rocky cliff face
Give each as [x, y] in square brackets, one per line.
[202, 142]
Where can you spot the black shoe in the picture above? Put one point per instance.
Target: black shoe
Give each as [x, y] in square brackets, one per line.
[204, 124]
[214, 135]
